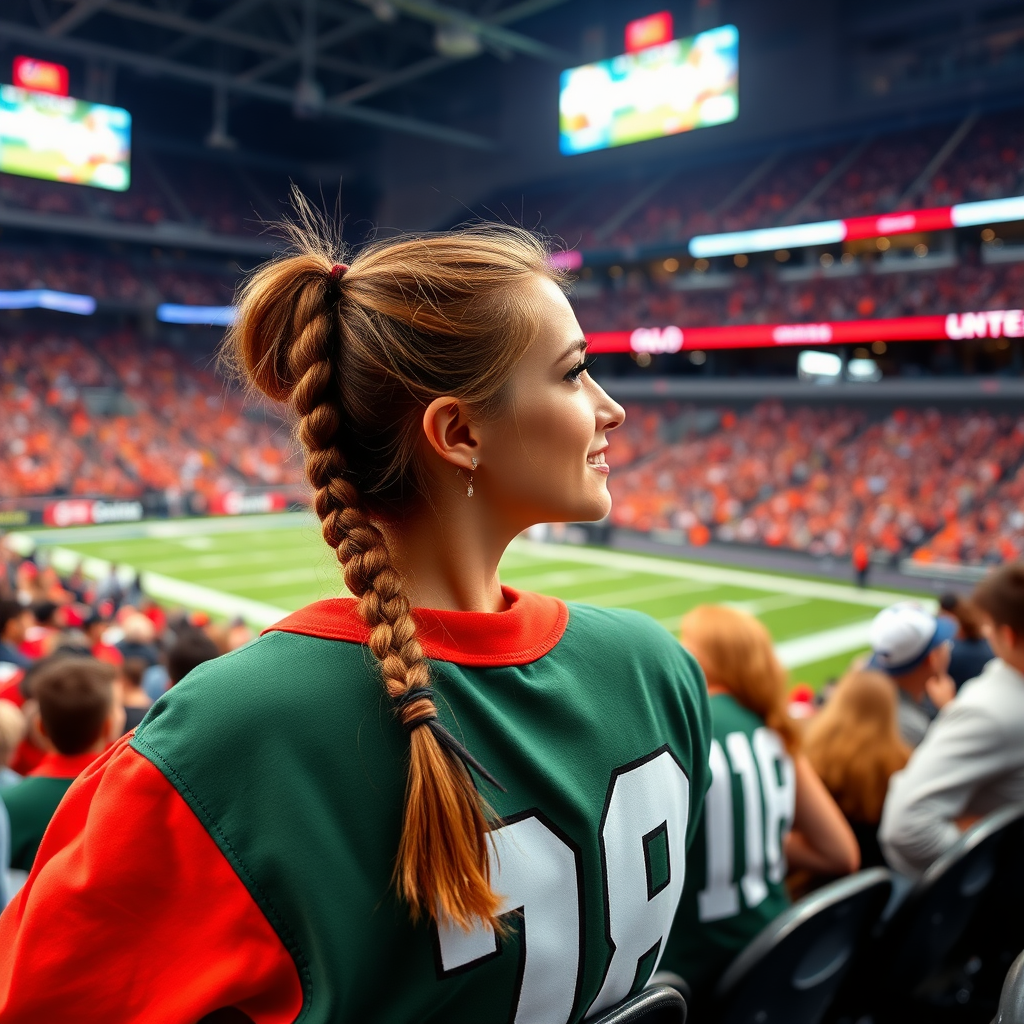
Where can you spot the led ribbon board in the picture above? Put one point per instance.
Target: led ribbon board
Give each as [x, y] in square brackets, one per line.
[832, 232]
[63, 139]
[992, 323]
[662, 90]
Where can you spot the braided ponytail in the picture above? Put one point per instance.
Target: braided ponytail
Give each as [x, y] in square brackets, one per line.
[357, 353]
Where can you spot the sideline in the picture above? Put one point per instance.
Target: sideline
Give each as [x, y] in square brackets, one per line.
[714, 574]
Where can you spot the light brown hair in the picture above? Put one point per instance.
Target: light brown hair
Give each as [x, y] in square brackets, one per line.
[854, 743]
[358, 352]
[735, 651]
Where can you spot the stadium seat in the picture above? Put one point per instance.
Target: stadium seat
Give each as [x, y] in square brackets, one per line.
[1011, 1002]
[790, 973]
[658, 1004]
[928, 948]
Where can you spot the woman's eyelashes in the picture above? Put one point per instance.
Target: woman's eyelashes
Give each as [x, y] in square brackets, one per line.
[580, 368]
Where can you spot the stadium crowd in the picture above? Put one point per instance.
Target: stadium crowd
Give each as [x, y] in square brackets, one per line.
[637, 300]
[122, 417]
[861, 177]
[164, 188]
[114, 280]
[938, 485]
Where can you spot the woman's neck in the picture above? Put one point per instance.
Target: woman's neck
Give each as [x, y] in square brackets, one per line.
[449, 559]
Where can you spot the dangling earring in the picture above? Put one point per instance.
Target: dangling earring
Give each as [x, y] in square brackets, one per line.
[469, 489]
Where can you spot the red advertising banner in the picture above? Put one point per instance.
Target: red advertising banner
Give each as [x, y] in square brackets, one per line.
[238, 503]
[995, 323]
[87, 511]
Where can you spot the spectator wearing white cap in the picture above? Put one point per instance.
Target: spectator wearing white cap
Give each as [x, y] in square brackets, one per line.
[912, 647]
[971, 763]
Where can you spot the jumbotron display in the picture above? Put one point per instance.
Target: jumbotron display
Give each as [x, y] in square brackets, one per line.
[663, 90]
[63, 139]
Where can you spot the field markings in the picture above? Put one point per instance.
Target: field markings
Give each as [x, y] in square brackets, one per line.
[564, 578]
[718, 575]
[167, 588]
[649, 592]
[761, 605]
[805, 650]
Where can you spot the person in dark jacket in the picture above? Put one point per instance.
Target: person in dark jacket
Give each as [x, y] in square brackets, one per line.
[971, 651]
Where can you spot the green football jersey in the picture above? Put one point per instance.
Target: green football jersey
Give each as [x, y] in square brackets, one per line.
[279, 772]
[736, 868]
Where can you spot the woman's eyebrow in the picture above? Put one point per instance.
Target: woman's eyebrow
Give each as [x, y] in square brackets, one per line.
[577, 346]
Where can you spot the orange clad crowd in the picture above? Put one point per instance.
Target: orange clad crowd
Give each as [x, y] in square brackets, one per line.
[941, 486]
[120, 417]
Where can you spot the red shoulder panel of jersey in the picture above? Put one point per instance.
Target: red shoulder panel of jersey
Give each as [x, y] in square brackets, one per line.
[131, 913]
[528, 630]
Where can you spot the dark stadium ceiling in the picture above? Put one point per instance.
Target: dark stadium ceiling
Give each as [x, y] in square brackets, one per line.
[317, 58]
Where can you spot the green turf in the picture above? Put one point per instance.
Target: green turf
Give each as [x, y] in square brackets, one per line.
[287, 565]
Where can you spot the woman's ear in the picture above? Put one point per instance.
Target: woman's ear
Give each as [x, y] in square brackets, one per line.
[451, 432]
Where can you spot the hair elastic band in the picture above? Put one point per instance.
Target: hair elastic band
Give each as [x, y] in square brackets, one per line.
[450, 744]
[337, 271]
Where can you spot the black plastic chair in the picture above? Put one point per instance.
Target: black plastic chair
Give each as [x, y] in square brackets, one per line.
[658, 1004]
[922, 960]
[1011, 1002]
[790, 973]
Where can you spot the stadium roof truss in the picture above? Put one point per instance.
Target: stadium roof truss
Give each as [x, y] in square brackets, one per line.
[320, 57]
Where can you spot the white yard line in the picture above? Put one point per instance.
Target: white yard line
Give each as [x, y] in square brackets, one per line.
[565, 578]
[256, 613]
[805, 650]
[718, 575]
[649, 592]
[761, 605]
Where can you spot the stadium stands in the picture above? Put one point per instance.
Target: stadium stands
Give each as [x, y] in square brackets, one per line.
[820, 479]
[117, 418]
[635, 300]
[859, 177]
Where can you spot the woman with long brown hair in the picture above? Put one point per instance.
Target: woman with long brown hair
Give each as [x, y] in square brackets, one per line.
[766, 812]
[854, 745]
[438, 799]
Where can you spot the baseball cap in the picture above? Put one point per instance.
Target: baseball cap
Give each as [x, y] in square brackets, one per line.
[902, 635]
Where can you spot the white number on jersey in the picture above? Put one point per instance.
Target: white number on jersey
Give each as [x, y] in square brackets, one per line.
[768, 779]
[538, 872]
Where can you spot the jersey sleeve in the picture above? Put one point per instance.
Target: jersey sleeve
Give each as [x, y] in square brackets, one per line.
[131, 913]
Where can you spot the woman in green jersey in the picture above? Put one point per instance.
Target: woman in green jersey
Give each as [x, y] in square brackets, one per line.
[438, 799]
[766, 811]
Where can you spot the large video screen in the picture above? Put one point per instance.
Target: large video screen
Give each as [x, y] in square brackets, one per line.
[63, 139]
[675, 87]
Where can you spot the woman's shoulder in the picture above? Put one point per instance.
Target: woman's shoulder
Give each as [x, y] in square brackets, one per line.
[625, 635]
[274, 678]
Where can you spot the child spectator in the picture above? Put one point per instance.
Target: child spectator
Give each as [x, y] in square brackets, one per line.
[854, 744]
[12, 731]
[78, 719]
[192, 648]
[972, 760]
[971, 651]
[911, 646]
[766, 810]
[136, 702]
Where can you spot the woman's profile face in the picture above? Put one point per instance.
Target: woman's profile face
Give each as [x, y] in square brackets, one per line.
[546, 458]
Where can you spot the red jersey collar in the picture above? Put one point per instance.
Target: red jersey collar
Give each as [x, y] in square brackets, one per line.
[525, 632]
[64, 766]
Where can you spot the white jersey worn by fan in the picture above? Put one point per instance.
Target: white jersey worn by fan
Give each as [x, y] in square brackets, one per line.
[970, 762]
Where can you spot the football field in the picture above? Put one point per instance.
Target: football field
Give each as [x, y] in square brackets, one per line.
[262, 567]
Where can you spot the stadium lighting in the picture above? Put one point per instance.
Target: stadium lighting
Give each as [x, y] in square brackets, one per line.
[863, 371]
[819, 367]
[831, 232]
[210, 316]
[43, 298]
